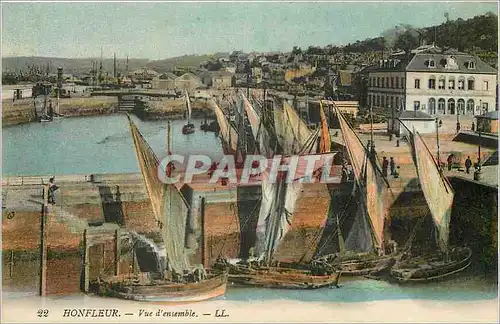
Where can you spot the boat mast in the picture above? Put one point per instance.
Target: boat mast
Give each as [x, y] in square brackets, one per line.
[168, 137]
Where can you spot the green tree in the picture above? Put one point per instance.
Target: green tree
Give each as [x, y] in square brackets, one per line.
[406, 41]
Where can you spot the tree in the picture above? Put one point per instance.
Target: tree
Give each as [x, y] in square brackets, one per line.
[296, 50]
[406, 41]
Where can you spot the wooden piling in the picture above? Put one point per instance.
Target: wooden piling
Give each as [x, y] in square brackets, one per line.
[43, 243]
[117, 252]
[202, 236]
[86, 269]
[11, 263]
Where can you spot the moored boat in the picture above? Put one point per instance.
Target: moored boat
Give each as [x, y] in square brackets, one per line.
[363, 252]
[432, 266]
[142, 288]
[445, 260]
[189, 128]
[173, 279]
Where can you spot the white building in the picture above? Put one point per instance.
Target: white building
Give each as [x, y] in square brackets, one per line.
[433, 81]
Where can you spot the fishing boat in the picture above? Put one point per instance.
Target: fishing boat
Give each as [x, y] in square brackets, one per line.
[445, 260]
[189, 128]
[48, 113]
[275, 217]
[363, 252]
[177, 280]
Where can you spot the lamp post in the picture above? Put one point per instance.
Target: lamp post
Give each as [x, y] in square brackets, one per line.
[439, 123]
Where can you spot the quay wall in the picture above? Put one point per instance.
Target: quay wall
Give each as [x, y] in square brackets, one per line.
[121, 199]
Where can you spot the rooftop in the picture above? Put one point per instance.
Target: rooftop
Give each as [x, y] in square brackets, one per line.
[489, 115]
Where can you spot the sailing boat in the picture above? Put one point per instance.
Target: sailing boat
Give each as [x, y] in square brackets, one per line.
[274, 220]
[439, 196]
[180, 282]
[47, 115]
[57, 113]
[363, 251]
[189, 128]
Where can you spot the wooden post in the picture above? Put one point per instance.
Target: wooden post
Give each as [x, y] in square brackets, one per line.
[103, 267]
[202, 236]
[86, 270]
[11, 262]
[117, 252]
[43, 243]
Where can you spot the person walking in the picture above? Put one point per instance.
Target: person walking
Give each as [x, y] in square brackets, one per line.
[385, 165]
[392, 165]
[52, 189]
[468, 164]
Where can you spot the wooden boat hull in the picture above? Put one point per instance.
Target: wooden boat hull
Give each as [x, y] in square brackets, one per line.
[361, 264]
[163, 291]
[280, 278]
[431, 267]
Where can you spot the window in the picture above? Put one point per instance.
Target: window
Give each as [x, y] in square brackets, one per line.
[387, 82]
[432, 106]
[403, 82]
[451, 107]
[485, 85]
[471, 65]
[451, 84]
[441, 106]
[417, 83]
[442, 83]
[378, 82]
[485, 107]
[397, 82]
[432, 83]
[460, 106]
[461, 84]
[432, 63]
[392, 82]
[470, 84]
[382, 103]
[470, 107]
[416, 105]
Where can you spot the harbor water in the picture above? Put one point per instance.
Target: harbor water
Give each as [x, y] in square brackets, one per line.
[89, 145]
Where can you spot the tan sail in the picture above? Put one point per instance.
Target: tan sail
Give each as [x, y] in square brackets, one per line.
[324, 143]
[188, 103]
[298, 128]
[437, 189]
[227, 132]
[372, 185]
[169, 206]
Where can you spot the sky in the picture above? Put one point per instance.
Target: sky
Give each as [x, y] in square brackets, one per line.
[161, 30]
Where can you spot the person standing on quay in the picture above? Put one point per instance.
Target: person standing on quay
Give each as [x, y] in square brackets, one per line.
[385, 165]
[468, 164]
[392, 164]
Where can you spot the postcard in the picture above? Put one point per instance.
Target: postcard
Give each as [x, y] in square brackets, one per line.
[241, 162]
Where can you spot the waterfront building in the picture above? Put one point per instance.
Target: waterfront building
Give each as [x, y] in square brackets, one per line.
[418, 120]
[218, 79]
[188, 81]
[433, 81]
[165, 81]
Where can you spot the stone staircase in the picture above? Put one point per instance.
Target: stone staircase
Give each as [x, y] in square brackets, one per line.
[126, 105]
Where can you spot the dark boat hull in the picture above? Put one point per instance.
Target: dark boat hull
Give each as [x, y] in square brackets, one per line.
[163, 291]
[280, 277]
[188, 129]
[431, 267]
[361, 264]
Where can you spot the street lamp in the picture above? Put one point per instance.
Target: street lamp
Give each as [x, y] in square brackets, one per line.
[439, 123]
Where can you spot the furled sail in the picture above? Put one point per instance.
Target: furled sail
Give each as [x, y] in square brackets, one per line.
[259, 132]
[275, 215]
[227, 132]
[437, 189]
[169, 206]
[188, 103]
[371, 184]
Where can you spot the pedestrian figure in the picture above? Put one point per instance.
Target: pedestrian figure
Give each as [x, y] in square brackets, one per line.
[473, 127]
[458, 128]
[392, 164]
[52, 189]
[450, 161]
[385, 166]
[468, 164]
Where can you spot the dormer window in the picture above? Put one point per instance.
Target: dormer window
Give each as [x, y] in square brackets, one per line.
[470, 65]
[432, 63]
